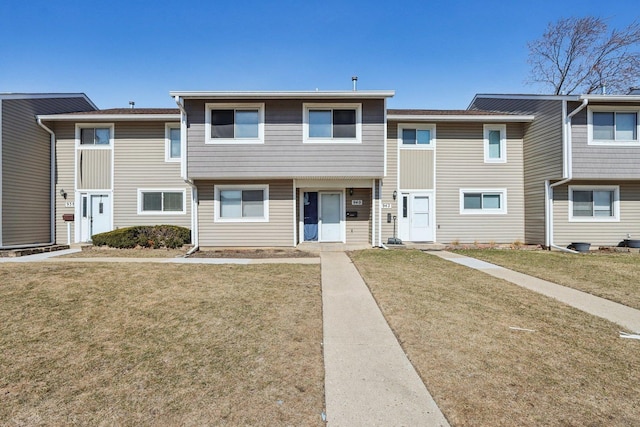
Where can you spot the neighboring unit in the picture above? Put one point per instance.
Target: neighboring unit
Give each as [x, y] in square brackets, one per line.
[27, 166]
[581, 179]
[118, 168]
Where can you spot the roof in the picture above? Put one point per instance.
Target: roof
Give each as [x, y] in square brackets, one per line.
[118, 114]
[22, 95]
[376, 94]
[456, 115]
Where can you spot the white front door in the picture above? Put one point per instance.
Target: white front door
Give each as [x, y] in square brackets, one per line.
[95, 214]
[415, 219]
[330, 218]
[421, 229]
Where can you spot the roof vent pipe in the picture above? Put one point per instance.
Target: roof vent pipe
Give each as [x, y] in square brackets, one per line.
[354, 80]
[132, 104]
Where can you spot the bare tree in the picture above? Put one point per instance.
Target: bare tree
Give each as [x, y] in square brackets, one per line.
[580, 54]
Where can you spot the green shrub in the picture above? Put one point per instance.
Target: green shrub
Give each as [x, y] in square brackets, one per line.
[146, 236]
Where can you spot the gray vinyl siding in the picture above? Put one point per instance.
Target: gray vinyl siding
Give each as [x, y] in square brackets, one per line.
[416, 169]
[283, 153]
[26, 168]
[600, 161]
[358, 229]
[542, 154]
[140, 164]
[94, 169]
[460, 165]
[597, 233]
[277, 232]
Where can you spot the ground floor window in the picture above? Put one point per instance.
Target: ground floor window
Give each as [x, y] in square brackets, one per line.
[483, 201]
[152, 201]
[242, 203]
[593, 203]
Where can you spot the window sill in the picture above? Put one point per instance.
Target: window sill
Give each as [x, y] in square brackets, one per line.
[483, 212]
[615, 143]
[221, 141]
[237, 220]
[162, 213]
[593, 219]
[332, 141]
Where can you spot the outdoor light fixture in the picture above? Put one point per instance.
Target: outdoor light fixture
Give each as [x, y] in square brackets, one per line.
[395, 194]
[63, 193]
[351, 191]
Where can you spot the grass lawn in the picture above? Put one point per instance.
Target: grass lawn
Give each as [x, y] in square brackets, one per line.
[615, 277]
[133, 344]
[455, 325]
[105, 252]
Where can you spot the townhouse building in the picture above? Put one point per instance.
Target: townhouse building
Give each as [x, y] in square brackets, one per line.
[282, 168]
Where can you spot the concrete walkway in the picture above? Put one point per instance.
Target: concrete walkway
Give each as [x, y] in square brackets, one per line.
[620, 314]
[368, 379]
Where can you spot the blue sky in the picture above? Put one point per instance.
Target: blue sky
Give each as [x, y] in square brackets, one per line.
[434, 54]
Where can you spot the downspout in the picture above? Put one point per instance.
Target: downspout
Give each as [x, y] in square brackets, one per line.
[53, 181]
[567, 171]
[183, 172]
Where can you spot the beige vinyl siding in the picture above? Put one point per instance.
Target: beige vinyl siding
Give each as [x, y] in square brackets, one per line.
[597, 233]
[359, 228]
[601, 161]
[140, 164]
[277, 232]
[26, 168]
[390, 182]
[460, 165]
[94, 169]
[416, 169]
[283, 153]
[65, 164]
[542, 154]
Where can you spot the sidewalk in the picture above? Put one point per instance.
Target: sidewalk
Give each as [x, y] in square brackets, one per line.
[622, 315]
[368, 379]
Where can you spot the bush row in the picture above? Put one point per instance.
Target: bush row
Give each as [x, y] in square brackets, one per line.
[146, 236]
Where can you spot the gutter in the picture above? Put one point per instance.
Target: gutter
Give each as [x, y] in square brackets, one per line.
[183, 173]
[567, 169]
[52, 209]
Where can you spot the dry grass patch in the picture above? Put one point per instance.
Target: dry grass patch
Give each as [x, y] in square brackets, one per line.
[615, 277]
[126, 344]
[454, 323]
[106, 252]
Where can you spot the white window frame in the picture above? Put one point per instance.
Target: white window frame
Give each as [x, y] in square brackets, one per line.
[502, 128]
[80, 126]
[167, 143]
[612, 109]
[489, 191]
[430, 127]
[306, 107]
[218, 188]
[234, 106]
[141, 191]
[615, 208]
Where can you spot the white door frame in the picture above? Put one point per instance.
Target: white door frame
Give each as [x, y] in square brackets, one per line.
[404, 225]
[343, 219]
[83, 226]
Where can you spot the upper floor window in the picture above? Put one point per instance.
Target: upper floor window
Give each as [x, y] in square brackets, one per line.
[495, 143]
[593, 203]
[173, 146]
[94, 135]
[613, 127]
[227, 123]
[483, 201]
[416, 136]
[332, 123]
